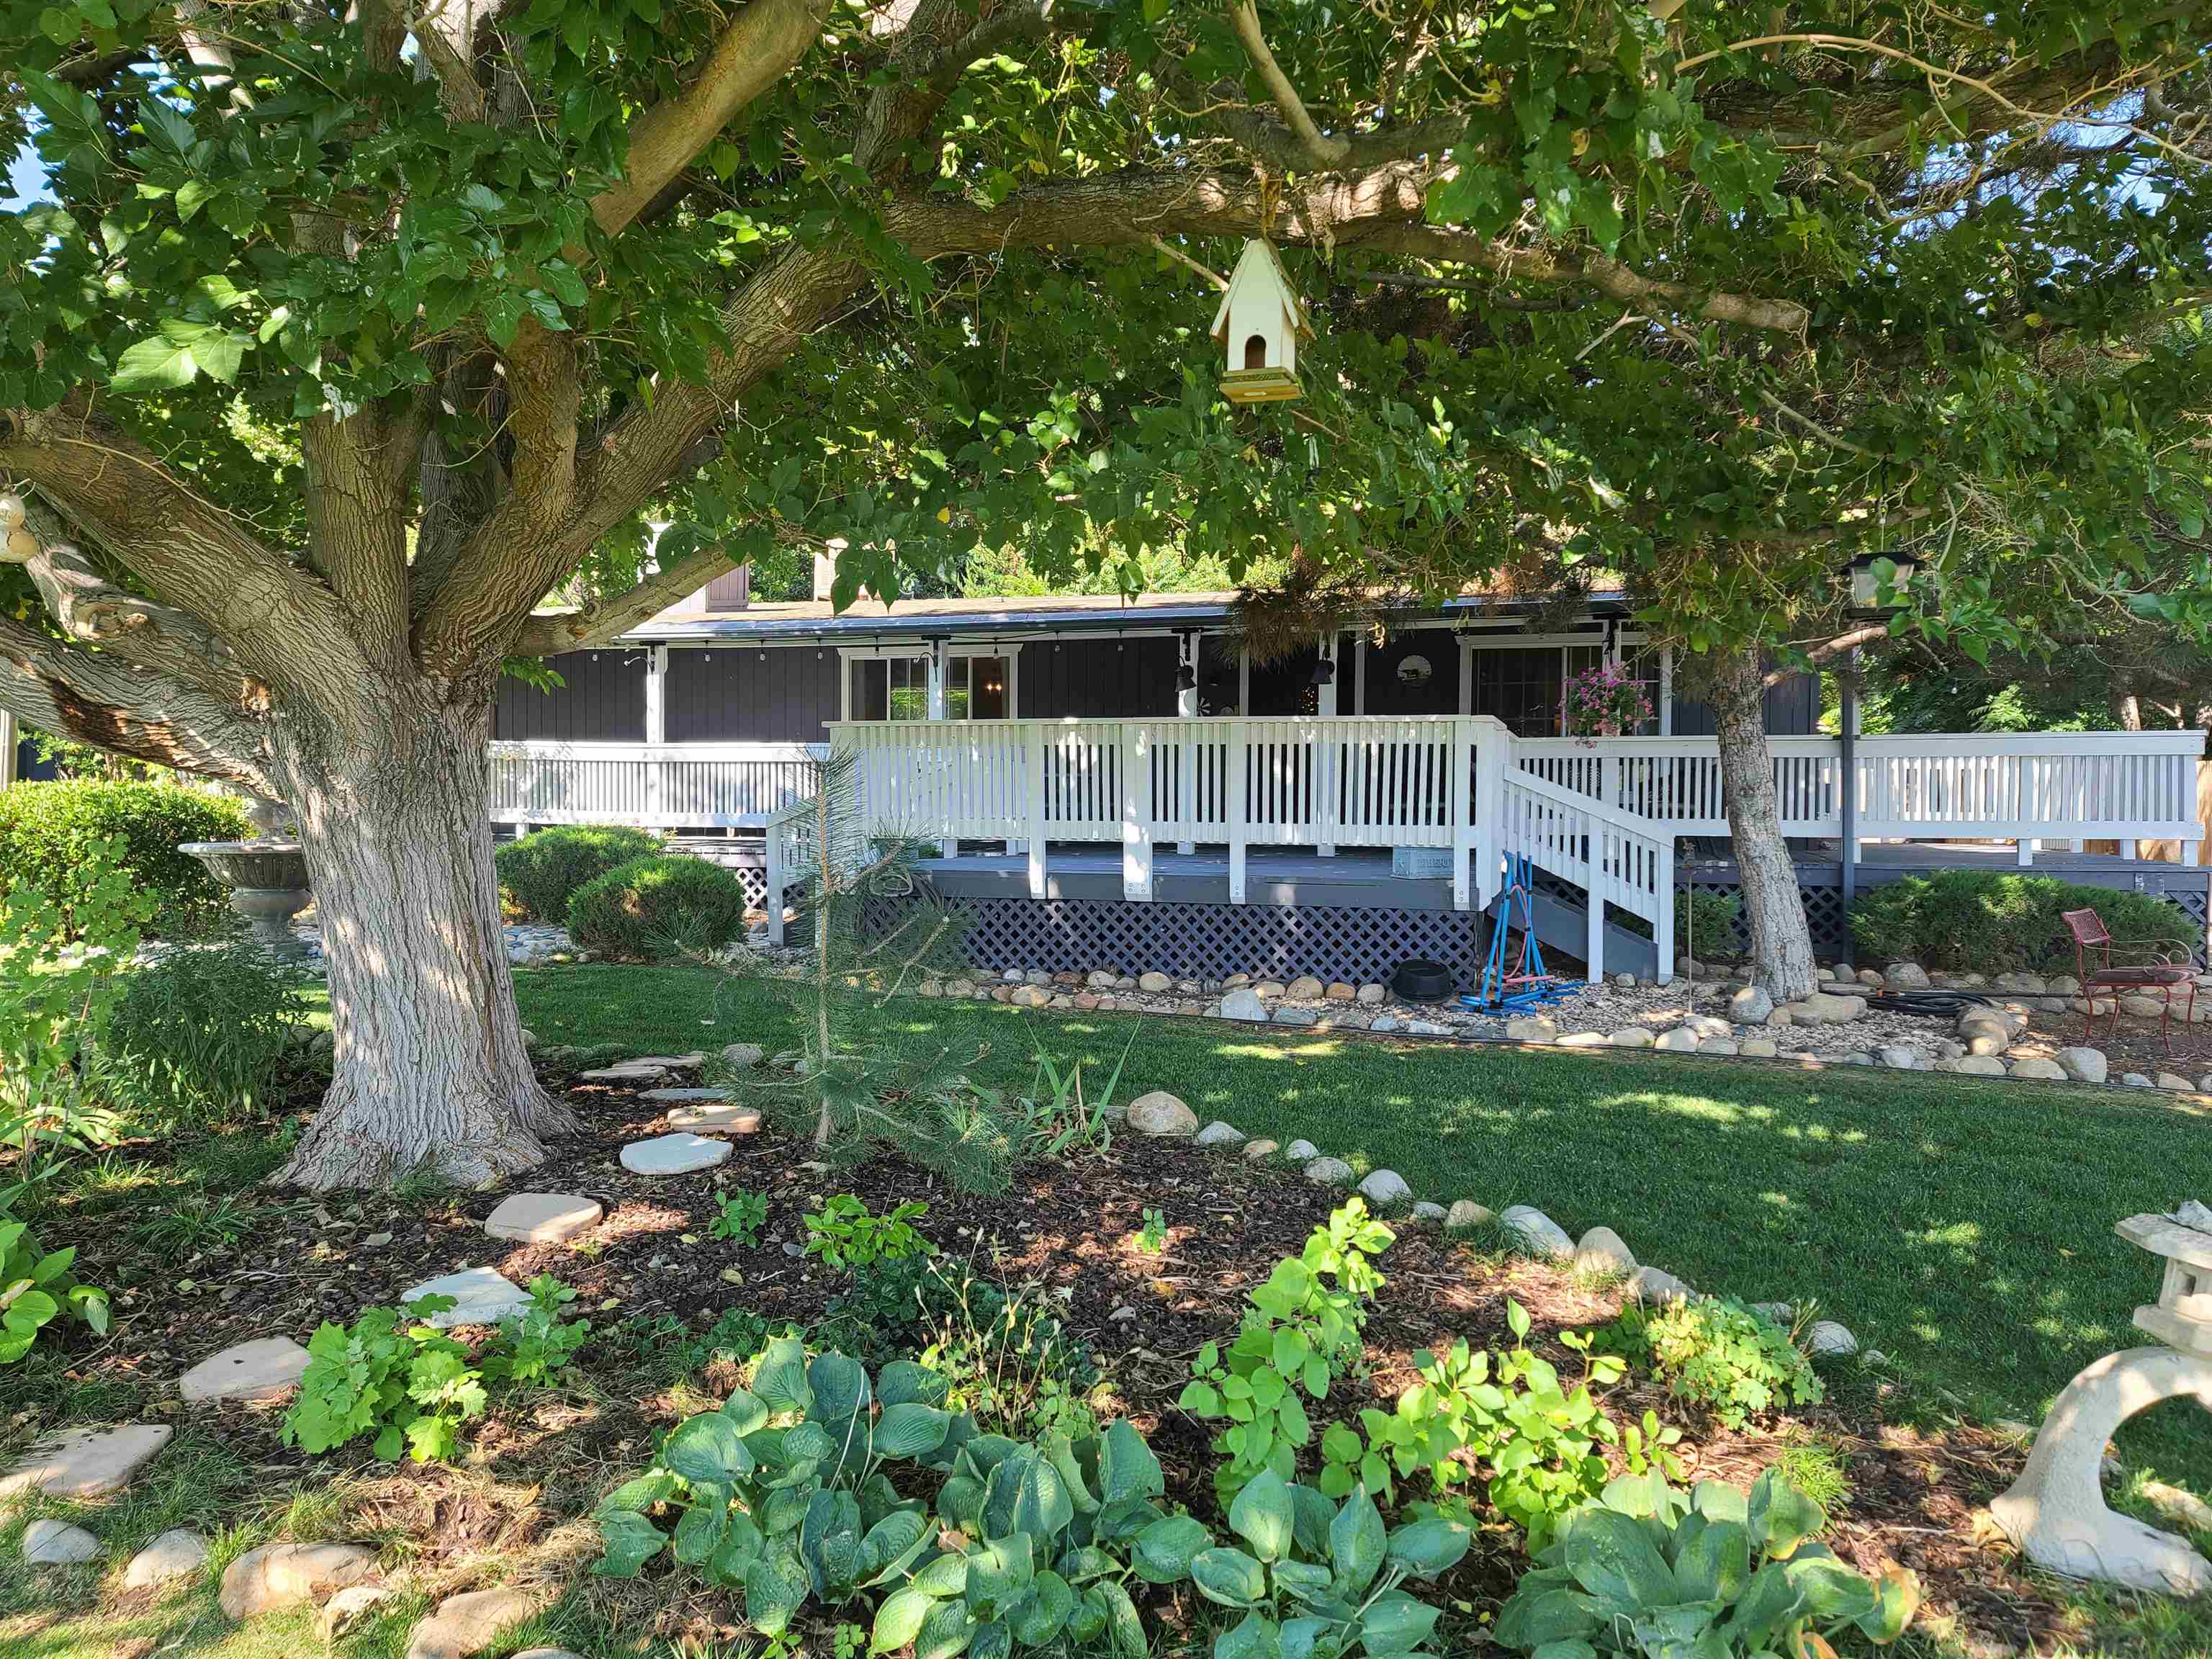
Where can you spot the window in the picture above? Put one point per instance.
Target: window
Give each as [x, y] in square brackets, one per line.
[897, 688]
[976, 689]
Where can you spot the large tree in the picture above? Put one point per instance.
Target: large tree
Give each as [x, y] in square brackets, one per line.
[349, 333]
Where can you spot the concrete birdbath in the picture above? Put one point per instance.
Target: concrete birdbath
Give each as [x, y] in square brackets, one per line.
[268, 879]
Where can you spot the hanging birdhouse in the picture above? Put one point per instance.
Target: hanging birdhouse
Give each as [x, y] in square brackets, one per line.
[1258, 325]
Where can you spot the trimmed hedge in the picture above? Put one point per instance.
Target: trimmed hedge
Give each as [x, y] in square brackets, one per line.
[1989, 922]
[652, 908]
[44, 829]
[541, 872]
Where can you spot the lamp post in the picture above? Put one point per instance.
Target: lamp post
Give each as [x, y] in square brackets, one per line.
[1868, 573]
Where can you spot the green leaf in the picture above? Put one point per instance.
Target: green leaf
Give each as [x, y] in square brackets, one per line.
[776, 1587]
[1613, 1558]
[1163, 1551]
[1038, 1620]
[947, 1630]
[781, 1377]
[1264, 1516]
[160, 364]
[1357, 1542]
[1426, 1548]
[911, 1430]
[746, 1411]
[707, 1449]
[1257, 1637]
[1229, 1577]
[627, 1541]
[899, 1620]
[1778, 1516]
[1397, 1623]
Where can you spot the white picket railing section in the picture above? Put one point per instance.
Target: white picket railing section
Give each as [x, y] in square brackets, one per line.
[1616, 858]
[712, 785]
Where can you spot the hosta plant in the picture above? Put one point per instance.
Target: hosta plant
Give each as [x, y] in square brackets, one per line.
[36, 1288]
[1712, 1572]
[1730, 1361]
[1301, 1332]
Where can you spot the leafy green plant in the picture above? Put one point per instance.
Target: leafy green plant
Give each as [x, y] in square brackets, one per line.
[1650, 1569]
[180, 1226]
[1991, 921]
[1722, 1356]
[845, 1233]
[55, 998]
[538, 1344]
[389, 1378]
[63, 839]
[1470, 1408]
[204, 1034]
[541, 872]
[1301, 1332]
[740, 1219]
[38, 1287]
[1056, 1117]
[658, 907]
[1152, 1236]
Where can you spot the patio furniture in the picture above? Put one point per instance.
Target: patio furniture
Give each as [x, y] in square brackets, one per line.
[2161, 974]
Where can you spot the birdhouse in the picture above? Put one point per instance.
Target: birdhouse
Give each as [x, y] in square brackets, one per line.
[1259, 324]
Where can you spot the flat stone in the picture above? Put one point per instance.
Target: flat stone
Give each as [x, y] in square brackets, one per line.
[1979, 1065]
[1244, 1004]
[1160, 1116]
[1385, 1191]
[1585, 1040]
[1384, 1023]
[178, 1552]
[49, 1543]
[287, 1574]
[682, 1096]
[2172, 1080]
[1466, 1215]
[1657, 1285]
[1289, 1016]
[1328, 1172]
[628, 1071]
[1760, 1047]
[2038, 1070]
[264, 1369]
[690, 1062]
[1750, 1005]
[1532, 1027]
[1899, 1058]
[482, 1296]
[673, 1154]
[86, 1463]
[2083, 1064]
[1218, 1133]
[543, 1217]
[1258, 1151]
[466, 1625]
[723, 1117]
[1538, 1233]
[1723, 1046]
[1824, 1008]
[1828, 1338]
[1603, 1250]
[1301, 1152]
[1681, 1040]
[1632, 1036]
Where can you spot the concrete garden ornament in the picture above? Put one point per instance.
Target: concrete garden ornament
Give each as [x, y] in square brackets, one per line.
[2056, 1510]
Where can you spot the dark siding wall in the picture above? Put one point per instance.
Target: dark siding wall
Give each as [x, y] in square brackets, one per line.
[1097, 680]
[1793, 710]
[602, 700]
[1388, 695]
[732, 695]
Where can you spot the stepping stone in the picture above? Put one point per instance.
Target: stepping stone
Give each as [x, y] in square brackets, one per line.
[629, 1072]
[543, 1217]
[482, 1296]
[82, 1463]
[723, 1118]
[177, 1553]
[58, 1544]
[690, 1062]
[286, 1575]
[266, 1368]
[676, 1154]
[678, 1096]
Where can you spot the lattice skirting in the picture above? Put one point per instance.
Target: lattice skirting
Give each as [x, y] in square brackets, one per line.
[1356, 946]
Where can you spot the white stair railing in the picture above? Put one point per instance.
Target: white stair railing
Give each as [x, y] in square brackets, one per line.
[1617, 858]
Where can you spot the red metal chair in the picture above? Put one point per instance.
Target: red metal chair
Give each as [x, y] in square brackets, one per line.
[2161, 974]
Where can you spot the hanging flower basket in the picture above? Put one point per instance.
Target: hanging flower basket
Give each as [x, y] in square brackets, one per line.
[1604, 702]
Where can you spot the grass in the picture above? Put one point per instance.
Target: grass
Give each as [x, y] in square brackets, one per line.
[1963, 1227]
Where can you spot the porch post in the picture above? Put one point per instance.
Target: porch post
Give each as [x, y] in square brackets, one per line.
[1033, 802]
[1466, 809]
[1594, 948]
[1136, 760]
[1359, 674]
[656, 733]
[1324, 806]
[1234, 760]
[1848, 787]
[949, 847]
[772, 900]
[1186, 743]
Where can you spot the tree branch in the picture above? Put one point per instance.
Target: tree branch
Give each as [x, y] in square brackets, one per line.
[762, 42]
[1321, 151]
[579, 631]
[89, 609]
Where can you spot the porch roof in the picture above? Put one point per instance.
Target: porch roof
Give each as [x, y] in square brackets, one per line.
[1043, 613]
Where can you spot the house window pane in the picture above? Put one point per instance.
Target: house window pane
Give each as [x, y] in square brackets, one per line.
[1522, 687]
[1643, 663]
[870, 689]
[986, 688]
[909, 678]
[955, 688]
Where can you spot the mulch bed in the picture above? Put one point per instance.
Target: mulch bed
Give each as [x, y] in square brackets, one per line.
[1066, 1230]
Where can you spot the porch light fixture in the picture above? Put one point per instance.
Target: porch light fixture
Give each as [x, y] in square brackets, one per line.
[1866, 582]
[1186, 678]
[1324, 671]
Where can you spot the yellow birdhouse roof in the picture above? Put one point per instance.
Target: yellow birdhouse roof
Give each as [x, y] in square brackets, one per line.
[1259, 270]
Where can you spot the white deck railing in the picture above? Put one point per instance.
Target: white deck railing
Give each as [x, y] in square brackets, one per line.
[656, 786]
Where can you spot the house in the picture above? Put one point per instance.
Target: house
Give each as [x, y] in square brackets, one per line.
[1117, 782]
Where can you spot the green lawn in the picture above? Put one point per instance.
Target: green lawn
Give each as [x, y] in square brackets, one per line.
[1963, 1227]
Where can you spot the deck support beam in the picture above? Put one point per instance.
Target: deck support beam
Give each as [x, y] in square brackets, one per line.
[1136, 763]
[1325, 750]
[1033, 806]
[1239, 794]
[1187, 751]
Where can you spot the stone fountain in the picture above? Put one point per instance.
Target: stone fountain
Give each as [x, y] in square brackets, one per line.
[267, 875]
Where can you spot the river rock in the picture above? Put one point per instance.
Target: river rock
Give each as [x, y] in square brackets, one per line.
[2134, 1080]
[543, 1217]
[177, 1553]
[1329, 1172]
[1657, 1285]
[349, 1607]
[286, 1575]
[1304, 989]
[1373, 994]
[1386, 1192]
[1723, 1046]
[2034, 1069]
[1979, 1065]
[1585, 1040]
[1301, 1152]
[1750, 1005]
[1531, 1028]
[1288, 1015]
[1259, 1152]
[1906, 976]
[2083, 1064]
[468, 1623]
[1160, 1116]
[1427, 1213]
[1826, 1008]
[1537, 1232]
[1828, 1339]
[1631, 1036]
[1603, 1250]
[743, 1056]
[50, 1543]
[1154, 984]
[2174, 1081]
[1760, 1048]
[1679, 1040]
[1244, 1004]
[1466, 1215]
[1899, 1058]
[680, 1153]
[1218, 1133]
[719, 1117]
[264, 1369]
[86, 1463]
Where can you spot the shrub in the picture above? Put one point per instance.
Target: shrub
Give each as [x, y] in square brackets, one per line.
[657, 907]
[46, 830]
[37, 1287]
[1996, 923]
[1650, 1569]
[203, 1034]
[405, 1383]
[541, 872]
[1722, 1356]
[1716, 916]
[845, 1233]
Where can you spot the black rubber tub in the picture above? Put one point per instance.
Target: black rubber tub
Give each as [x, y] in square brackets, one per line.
[1420, 981]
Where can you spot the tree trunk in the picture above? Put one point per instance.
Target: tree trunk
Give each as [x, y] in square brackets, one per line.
[429, 1068]
[1781, 943]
